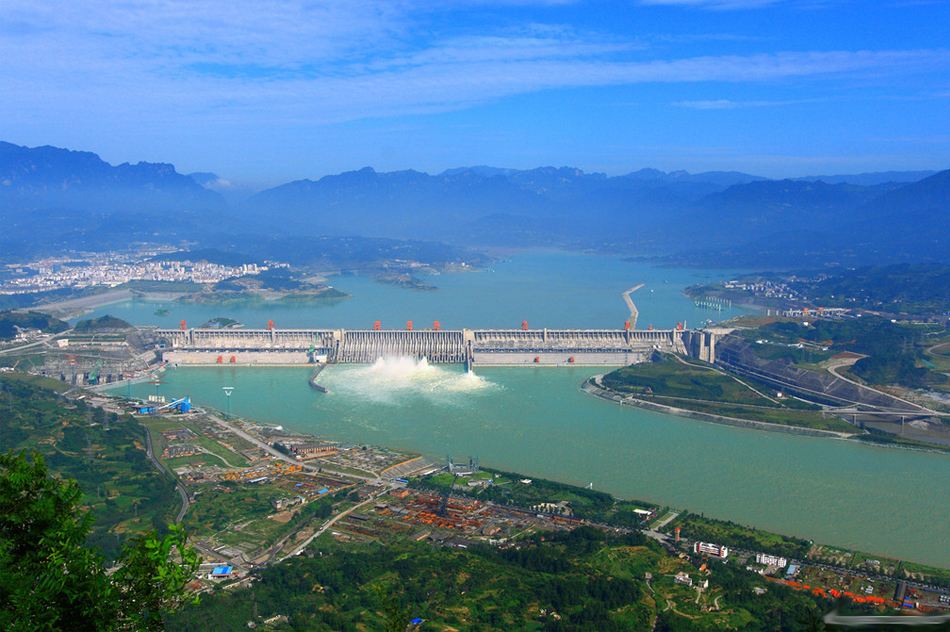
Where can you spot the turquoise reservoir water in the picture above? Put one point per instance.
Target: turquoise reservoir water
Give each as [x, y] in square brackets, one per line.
[536, 421]
[549, 289]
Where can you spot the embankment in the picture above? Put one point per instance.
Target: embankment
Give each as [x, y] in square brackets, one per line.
[593, 387]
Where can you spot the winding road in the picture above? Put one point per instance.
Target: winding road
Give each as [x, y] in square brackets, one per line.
[833, 367]
[185, 502]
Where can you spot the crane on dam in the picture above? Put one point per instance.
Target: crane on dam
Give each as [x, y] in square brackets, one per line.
[634, 313]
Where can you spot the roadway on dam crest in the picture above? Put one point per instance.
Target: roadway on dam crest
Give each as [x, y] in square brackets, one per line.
[471, 347]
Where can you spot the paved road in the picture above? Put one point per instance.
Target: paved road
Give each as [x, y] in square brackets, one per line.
[185, 503]
[329, 523]
[716, 369]
[21, 347]
[858, 572]
[274, 451]
[667, 519]
[833, 367]
[84, 303]
[43, 342]
[254, 440]
[662, 538]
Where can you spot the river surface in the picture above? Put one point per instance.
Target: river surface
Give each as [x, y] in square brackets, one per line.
[548, 289]
[537, 421]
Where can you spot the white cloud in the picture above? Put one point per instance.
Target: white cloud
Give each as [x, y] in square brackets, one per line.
[728, 104]
[714, 4]
[325, 62]
[733, 5]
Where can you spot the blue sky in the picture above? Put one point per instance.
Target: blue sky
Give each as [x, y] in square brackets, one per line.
[263, 92]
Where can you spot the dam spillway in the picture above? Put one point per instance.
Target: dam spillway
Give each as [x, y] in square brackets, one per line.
[472, 347]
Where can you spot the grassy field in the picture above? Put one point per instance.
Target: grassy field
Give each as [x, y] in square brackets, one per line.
[698, 527]
[242, 515]
[938, 353]
[781, 416]
[671, 378]
[157, 425]
[693, 386]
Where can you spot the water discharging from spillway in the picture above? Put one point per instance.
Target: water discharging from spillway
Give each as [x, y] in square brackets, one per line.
[390, 380]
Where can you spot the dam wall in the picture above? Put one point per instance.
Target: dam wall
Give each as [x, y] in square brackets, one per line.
[210, 357]
[472, 347]
[577, 358]
[366, 346]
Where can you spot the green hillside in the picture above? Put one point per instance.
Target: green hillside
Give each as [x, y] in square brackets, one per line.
[103, 452]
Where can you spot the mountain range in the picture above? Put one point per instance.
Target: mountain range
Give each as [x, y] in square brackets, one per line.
[729, 217]
[52, 199]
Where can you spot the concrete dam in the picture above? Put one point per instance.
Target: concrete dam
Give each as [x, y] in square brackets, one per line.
[471, 347]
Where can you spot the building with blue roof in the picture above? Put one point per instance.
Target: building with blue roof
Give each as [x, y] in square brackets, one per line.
[220, 572]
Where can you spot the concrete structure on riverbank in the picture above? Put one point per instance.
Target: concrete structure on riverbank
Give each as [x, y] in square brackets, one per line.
[472, 347]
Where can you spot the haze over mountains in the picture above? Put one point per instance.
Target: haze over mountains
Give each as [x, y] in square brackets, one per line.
[52, 198]
[76, 200]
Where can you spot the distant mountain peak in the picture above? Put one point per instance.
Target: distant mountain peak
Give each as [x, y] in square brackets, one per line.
[65, 192]
[873, 177]
[479, 170]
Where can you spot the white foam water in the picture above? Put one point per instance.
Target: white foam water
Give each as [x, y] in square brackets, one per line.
[395, 378]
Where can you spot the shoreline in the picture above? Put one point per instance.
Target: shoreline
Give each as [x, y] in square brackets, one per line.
[76, 307]
[749, 424]
[73, 308]
[591, 388]
[423, 455]
[420, 455]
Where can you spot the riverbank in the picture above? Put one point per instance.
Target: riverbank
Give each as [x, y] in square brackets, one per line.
[540, 423]
[606, 508]
[593, 387]
[266, 295]
[855, 437]
[675, 382]
[75, 307]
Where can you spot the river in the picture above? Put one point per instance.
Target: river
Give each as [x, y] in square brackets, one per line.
[536, 420]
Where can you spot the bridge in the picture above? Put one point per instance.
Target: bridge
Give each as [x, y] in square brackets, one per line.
[471, 347]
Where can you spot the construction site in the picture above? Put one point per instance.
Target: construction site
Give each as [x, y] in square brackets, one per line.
[86, 359]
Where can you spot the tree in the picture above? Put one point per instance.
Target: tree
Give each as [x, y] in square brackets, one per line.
[151, 578]
[51, 580]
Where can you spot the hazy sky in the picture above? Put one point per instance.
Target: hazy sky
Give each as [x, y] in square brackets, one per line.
[267, 91]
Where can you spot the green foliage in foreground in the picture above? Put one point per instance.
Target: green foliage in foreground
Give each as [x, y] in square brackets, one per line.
[104, 453]
[592, 581]
[51, 580]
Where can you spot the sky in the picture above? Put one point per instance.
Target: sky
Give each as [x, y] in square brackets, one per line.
[262, 92]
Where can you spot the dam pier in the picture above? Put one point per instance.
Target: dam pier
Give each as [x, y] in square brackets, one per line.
[471, 347]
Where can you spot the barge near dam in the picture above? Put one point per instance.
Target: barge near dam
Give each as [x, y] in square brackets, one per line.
[471, 347]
